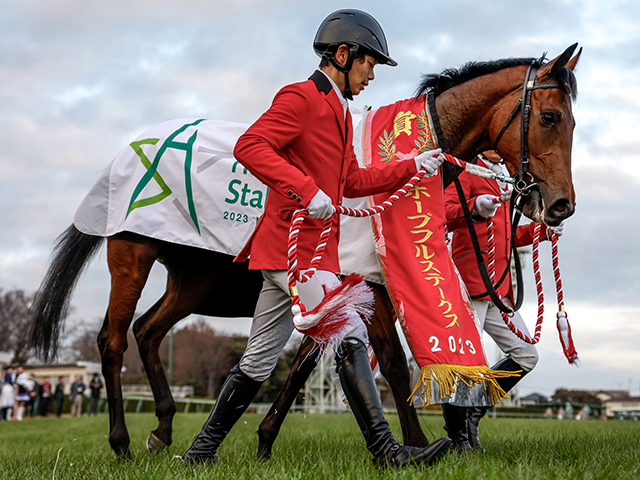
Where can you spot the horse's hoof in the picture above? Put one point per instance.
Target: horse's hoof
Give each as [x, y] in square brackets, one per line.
[155, 445]
[124, 456]
[264, 456]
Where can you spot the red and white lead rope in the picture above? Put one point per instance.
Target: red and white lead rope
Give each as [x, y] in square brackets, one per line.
[564, 329]
[329, 317]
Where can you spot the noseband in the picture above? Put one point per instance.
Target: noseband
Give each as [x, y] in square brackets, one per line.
[524, 181]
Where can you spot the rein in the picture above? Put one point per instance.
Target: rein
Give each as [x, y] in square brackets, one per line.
[538, 279]
[524, 104]
[564, 329]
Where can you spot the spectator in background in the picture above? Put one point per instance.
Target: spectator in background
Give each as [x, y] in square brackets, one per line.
[59, 395]
[95, 386]
[7, 397]
[561, 412]
[568, 408]
[31, 407]
[24, 386]
[44, 397]
[77, 396]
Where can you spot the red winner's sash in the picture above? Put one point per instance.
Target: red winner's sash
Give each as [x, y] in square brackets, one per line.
[427, 293]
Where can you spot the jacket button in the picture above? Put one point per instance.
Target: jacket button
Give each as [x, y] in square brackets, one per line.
[299, 199]
[290, 192]
[294, 196]
[342, 180]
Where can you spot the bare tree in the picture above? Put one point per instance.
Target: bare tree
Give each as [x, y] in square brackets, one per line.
[14, 334]
[84, 345]
[202, 356]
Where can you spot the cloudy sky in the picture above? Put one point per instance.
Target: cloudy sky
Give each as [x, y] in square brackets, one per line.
[80, 79]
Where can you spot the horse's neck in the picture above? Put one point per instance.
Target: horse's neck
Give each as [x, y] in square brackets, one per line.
[466, 111]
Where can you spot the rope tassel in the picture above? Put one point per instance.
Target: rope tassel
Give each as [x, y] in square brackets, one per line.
[564, 329]
[339, 309]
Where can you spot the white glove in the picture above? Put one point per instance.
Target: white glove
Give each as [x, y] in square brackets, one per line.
[557, 230]
[320, 206]
[430, 160]
[485, 206]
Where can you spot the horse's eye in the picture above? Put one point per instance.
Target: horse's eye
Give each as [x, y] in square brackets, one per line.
[548, 118]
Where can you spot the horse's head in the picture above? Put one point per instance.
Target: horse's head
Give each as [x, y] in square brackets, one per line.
[550, 132]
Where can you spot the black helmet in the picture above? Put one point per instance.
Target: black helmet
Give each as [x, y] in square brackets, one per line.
[356, 29]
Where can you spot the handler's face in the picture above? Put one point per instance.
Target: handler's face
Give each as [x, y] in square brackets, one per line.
[361, 74]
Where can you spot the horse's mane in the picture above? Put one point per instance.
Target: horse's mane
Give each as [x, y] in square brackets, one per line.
[452, 77]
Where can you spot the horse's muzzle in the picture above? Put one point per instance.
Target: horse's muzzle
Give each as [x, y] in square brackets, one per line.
[559, 210]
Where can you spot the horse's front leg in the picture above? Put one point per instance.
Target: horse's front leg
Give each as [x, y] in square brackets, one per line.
[393, 365]
[303, 364]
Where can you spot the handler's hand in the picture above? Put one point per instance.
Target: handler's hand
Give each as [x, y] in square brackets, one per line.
[485, 206]
[430, 160]
[320, 206]
[506, 196]
[557, 230]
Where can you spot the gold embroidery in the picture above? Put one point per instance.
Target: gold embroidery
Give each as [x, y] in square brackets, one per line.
[402, 123]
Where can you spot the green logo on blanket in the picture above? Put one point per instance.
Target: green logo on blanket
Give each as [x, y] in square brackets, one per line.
[152, 171]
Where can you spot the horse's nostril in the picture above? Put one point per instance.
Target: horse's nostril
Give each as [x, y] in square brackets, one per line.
[561, 208]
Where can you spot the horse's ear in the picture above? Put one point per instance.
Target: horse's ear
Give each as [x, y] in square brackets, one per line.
[561, 61]
[571, 64]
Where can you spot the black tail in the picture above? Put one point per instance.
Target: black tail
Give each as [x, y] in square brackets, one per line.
[70, 256]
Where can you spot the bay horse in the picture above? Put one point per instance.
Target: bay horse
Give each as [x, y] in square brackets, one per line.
[473, 105]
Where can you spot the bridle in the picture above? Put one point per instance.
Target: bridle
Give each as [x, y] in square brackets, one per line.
[524, 184]
[524, 180]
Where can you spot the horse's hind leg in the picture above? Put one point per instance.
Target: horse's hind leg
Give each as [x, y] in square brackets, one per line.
[303, 364]
[184, 293]
[393, 366]
[129, 264]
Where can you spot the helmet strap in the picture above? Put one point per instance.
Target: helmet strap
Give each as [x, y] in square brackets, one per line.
[347, 88]
[345, 68]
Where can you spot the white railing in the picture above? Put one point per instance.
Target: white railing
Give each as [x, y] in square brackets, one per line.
[176, 391]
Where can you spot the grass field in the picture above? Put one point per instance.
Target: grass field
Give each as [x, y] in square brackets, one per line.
[319, 447]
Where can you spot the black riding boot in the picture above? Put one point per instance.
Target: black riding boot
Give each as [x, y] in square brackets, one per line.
[352, 365]
[234, 398]
[476, 413]
[456, 426]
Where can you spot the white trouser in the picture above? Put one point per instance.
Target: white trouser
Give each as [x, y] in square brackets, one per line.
[273, 323]
[524, 354]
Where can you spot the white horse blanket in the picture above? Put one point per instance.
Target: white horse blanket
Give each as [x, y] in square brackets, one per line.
[180, 183]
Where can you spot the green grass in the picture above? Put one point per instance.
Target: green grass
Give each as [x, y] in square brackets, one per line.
[319, 447]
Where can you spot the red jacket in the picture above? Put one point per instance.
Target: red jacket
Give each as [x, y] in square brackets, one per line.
[301, 144]
[462, 248]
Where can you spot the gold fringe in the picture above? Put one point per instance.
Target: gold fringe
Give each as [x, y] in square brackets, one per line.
[446, 375]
